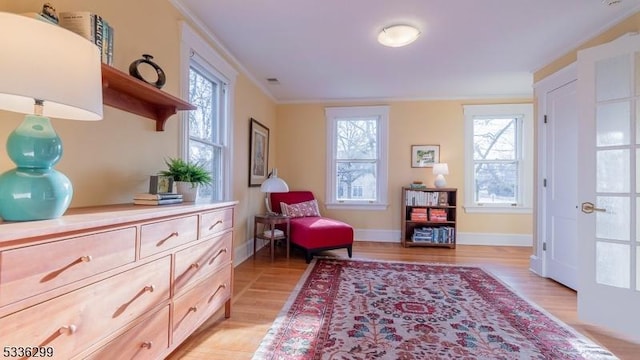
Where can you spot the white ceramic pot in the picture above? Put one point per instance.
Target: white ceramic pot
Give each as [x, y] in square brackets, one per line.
[188, 190]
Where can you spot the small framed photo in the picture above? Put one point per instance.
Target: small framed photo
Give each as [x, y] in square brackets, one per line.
[424, 155]
[159, 184]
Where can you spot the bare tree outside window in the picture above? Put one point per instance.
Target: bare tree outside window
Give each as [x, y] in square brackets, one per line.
[496, 157]
[356, 163]
[204, 129]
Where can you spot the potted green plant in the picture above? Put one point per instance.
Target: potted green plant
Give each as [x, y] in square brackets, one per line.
[187, 177]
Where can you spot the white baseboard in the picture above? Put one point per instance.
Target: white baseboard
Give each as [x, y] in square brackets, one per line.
[244, 252]
[494, 239]
[536, 266]
[377, 235]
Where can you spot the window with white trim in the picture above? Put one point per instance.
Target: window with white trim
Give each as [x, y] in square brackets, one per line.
[206, 127]
[498, 158]
[206, 131]
[357, 157]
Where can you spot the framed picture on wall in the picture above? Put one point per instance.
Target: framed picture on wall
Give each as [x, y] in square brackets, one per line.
[258, 153]
[424, 155]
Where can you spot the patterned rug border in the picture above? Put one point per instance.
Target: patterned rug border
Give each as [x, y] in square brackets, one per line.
[281, 317]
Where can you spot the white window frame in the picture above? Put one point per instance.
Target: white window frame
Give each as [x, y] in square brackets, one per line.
[333, 114]
[195, 48]
[524, 114]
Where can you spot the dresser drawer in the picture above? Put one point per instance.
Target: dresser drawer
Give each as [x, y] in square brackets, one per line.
[199, 261]
[199, 303]
[147, 340]
[215, 221]
[72, 322]
[32, 270]
[163, 235]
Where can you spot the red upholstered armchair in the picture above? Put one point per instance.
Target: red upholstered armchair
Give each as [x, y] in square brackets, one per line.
[312, 233]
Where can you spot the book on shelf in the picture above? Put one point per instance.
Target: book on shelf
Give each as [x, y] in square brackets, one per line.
[437, 215]
[92, 27]
[157, 202]
[276, 233]
[159, 196]
[418, 214]
[38, 16]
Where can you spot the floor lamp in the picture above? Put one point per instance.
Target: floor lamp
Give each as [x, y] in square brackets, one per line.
[45, 71]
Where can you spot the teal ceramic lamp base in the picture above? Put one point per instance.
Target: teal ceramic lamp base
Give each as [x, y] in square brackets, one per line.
[34, 190]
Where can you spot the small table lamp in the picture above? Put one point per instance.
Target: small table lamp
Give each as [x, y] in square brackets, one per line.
[273, 184]
[440, 170]
[45, 70]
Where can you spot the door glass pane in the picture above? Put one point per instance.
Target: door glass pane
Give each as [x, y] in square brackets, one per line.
[613, 264]
[612, 78]
[612, 124]
[637, 122]
[613, 223]
[638, 171]
[613, 172]
[637, 269]
[637, 72]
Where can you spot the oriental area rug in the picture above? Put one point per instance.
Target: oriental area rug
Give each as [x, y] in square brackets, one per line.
[350, 309]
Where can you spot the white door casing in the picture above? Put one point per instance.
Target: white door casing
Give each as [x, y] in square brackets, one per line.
[609, 275]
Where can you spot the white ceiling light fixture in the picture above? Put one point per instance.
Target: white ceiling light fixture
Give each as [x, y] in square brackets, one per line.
[398, 35]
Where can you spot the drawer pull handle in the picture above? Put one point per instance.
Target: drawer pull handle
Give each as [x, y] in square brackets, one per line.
[150, 288]
[195, 265]
[173, 234]
[69, 330]
[215, 224]
[220, 252]
[147, 345]
[86, 258]
[221, 287]
[193, 308]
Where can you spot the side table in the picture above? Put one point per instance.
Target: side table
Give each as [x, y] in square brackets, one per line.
[269, 223]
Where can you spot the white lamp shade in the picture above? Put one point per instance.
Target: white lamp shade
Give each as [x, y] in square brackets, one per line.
[274, 184]
[398, 35]
[47, 62]
[440, 169]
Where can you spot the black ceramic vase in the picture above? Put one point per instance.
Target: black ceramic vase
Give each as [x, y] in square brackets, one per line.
[146, 59]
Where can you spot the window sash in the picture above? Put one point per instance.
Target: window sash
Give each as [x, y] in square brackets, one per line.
[515, 192]
[341, 194]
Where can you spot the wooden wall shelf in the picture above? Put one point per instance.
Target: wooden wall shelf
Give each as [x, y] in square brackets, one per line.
[124, 92]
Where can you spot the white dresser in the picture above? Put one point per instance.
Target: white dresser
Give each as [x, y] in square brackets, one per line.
[113, 282]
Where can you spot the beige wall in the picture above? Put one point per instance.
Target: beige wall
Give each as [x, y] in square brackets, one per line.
[630, 24]
[301, 151]
[110, 160]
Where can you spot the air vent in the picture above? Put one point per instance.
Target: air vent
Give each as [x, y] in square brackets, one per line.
[273, 81]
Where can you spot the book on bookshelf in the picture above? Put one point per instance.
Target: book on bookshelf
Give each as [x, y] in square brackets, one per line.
[437, 215]
[159, 196]
[93, 28]
[157, 202]
[38, 16]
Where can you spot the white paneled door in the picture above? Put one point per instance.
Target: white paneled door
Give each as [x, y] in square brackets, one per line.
[561, 195]
[608, 184]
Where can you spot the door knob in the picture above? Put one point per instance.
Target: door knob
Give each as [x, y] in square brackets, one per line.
[588, 208]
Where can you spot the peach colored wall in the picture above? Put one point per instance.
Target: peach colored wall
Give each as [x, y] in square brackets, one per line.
[301, 149]
[110, 160]
[630, 24]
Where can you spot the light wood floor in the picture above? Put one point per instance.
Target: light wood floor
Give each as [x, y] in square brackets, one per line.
[261, 288]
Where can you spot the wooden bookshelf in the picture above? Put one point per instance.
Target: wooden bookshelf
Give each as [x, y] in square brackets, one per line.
[429, 217]
[124, 92]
